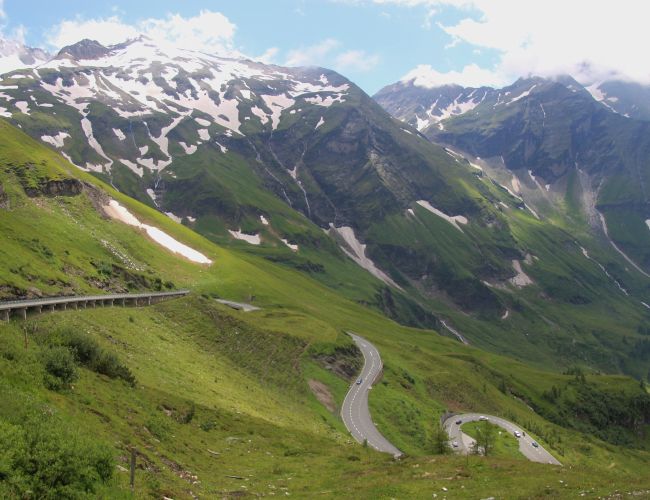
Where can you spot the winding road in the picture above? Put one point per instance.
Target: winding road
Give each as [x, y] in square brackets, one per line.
[532, 453]
[355, 412]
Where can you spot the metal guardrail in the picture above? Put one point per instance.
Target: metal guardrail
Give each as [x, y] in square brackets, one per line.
[11, 305]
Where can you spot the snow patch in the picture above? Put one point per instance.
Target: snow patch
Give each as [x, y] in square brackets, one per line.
[173, 217]
[119, 134]
[356, 250]
[259, 112]
[277, 104]
[522, 95]
[116, 211]
[293, 247]
[23, 106]
[202, 122]
[521, 279]
[320, 122]
[264, 220]
[454, 220]
[204, 134]
[253, 239]
[55, 140]
[190, 150]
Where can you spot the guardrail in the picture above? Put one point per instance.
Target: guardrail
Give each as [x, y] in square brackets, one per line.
[22, 306]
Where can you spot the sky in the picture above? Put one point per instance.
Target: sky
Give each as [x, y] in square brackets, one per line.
[372, 42]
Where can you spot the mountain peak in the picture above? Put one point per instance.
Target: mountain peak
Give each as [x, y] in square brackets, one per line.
[85, 49]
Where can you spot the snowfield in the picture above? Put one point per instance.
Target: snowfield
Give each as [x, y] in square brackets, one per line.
[116, 211]
[356, 250]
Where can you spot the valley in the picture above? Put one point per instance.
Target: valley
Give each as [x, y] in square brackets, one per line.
[259, 280]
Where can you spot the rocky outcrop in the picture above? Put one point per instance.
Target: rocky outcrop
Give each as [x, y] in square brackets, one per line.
[63, 187]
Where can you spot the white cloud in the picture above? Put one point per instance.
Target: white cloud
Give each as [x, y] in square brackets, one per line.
[330, 54]
[356, 60]
[588, 40]
[107, 31]
[269, 56]
[312, 55]
[470, 76]
[208, 31]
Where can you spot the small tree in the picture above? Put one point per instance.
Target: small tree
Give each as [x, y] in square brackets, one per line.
[485, 439]
[440, 441]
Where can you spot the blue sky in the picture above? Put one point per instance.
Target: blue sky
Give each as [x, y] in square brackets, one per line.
[373, 42]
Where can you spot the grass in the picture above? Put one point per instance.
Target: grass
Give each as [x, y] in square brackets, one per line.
[243, 376]
[504, 445]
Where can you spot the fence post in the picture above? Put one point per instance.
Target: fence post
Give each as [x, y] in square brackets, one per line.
[132, 470]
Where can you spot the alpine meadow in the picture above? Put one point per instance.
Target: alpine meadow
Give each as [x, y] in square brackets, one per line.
[401, 253]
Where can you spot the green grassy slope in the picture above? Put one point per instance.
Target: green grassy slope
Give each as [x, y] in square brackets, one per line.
[220, 393]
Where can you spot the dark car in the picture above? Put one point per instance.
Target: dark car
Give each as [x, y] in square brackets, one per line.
[535, 445]
[359, 380]
[458, 422]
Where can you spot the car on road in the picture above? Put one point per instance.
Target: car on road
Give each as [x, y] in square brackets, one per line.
[458, 422]
[517, 434]
[482, 418]
[359, 380]
[535, 445]
[455, 444]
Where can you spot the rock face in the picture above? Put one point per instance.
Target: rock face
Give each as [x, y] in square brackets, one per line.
[64, 187]
[85, 49]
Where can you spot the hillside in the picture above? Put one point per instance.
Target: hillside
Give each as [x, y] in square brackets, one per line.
[216, 402]
[300, 167]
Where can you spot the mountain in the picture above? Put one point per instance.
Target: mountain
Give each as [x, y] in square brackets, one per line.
[208, 399]
[300, 167]
[422, 107]
[14, 54]
[550, 140]
[627, 98]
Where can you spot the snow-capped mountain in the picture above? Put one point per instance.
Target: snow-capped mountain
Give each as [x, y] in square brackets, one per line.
[627, 98]
[14, 55]
[144, 86]
[229, 146]
[422, 107]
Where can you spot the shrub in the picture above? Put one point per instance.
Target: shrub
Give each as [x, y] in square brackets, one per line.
[60, 367]
[41, 459]
[108, 364]
[85, 348]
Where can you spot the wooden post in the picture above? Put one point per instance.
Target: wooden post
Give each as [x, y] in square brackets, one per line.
[24, 311]
[6, 315]
[149, 301]
[132, 470]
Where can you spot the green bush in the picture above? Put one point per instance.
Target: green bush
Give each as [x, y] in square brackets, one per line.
[85, 348]
[40, 458]
[60, 367]
[108, 364]
[87, 352]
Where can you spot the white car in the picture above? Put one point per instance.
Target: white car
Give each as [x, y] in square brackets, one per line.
[517, 434]
[455, 444]
[482, 418]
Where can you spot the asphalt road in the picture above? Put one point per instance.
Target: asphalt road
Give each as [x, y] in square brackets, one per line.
[465, 442]
[355, 412]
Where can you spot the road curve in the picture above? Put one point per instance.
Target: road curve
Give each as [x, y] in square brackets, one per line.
[465, 442]
[355, 412]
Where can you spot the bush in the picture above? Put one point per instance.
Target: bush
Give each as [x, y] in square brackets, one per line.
[60, 367]
[89, 353]
[108, 364]
[41, 459]
[85, 348]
